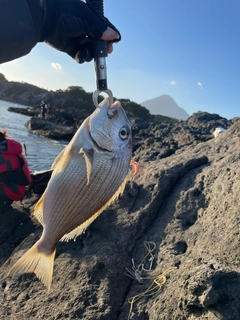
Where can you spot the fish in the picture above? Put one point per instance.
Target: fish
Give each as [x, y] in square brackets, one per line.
[88, 175]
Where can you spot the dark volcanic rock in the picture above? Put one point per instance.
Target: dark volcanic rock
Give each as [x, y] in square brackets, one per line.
[51, 130]
[31, 112]
[185, 200]
[159, 140]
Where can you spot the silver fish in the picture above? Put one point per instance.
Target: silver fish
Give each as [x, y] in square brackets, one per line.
[88, 175]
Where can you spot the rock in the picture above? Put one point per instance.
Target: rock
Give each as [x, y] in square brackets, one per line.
[21, 92]
[32, 112]
[51, 130]
[184, 204]
[16, 224]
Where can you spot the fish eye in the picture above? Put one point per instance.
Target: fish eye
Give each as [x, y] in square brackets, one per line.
[123, 133]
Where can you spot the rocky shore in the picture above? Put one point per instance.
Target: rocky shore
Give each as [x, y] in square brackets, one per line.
[175, 231]
[69, 108]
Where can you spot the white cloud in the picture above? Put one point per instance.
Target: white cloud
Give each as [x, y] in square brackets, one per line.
[173, 82]
[56, 65]
[200, 85]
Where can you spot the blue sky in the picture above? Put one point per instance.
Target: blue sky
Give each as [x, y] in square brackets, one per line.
[188, 49]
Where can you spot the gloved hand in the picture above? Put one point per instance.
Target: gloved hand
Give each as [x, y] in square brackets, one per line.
[70, 26]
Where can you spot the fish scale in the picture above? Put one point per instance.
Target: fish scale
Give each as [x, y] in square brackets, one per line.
[91, 192]
[88, 175]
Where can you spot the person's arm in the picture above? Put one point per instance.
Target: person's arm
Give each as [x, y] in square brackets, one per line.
[66, 25]
[16, 176]
[20, 28]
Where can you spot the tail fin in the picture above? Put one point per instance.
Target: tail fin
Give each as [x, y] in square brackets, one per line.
[38, 262]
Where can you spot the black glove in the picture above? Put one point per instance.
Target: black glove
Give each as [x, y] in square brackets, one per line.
[70, 26]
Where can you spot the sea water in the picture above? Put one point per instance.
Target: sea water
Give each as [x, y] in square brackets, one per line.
[41, 152]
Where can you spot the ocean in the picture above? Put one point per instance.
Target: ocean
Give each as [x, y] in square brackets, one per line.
[41, 152]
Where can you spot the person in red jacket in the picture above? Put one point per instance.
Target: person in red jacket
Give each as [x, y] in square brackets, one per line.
[14, 171]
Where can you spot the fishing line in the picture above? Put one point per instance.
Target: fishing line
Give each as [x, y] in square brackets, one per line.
[136, 274]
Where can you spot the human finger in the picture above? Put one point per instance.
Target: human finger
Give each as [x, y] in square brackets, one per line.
[109, 34]
[109, 47]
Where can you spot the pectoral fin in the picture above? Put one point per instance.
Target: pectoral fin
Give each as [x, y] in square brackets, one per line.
[88, 156]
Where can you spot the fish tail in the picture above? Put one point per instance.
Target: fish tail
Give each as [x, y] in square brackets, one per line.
[38, 262]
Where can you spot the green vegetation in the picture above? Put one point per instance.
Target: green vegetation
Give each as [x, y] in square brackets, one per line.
[139, 111]
[2, 77]
[132, 108]
[135, 109]
[158, 118]
[77, 92]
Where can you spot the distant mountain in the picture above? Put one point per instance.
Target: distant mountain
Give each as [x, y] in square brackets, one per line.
[166, 106]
